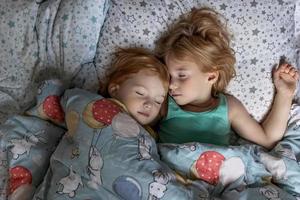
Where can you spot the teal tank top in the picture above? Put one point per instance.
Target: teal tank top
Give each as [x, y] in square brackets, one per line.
[180, 126]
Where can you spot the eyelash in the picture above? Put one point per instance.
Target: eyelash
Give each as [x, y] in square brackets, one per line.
[139, 93]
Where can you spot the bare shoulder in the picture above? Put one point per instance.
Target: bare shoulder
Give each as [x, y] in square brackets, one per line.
[233, 101]
[234, 106]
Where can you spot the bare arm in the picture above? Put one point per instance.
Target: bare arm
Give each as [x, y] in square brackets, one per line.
[285, 80]
[244, 125]
[273, 128]
[276, 121]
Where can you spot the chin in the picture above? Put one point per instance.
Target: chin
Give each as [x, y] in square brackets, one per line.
[144, 122]
[181, 102]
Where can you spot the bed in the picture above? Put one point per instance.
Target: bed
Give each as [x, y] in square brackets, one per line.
[73, 40]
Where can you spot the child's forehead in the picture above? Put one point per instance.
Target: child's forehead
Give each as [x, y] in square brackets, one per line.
[181, 64]
[143, 74]
[147, 78]
[180, 59]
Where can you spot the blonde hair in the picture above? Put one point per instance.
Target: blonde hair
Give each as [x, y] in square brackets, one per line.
[130, 61]
[202, 36]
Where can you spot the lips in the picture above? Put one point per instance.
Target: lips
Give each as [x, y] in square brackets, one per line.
[175, 95]
[144, 114]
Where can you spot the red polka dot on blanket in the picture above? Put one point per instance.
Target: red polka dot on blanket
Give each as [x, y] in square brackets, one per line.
[18, 176]
[208, 166]
[105, 110]
[53, 109]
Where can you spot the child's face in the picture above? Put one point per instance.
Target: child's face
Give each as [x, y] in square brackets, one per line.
[143, 95]
[188, 85]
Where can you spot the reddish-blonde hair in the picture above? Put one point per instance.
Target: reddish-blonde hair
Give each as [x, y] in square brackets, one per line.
[200, 35]
[130, 61]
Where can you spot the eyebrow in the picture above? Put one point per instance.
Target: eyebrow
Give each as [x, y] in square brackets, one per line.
[141, 86]
[163, 96]
[181, 69]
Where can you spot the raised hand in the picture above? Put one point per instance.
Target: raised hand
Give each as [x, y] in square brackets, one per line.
[285, 79]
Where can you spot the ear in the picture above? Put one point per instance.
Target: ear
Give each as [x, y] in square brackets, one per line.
[113, 89]
[213, 77]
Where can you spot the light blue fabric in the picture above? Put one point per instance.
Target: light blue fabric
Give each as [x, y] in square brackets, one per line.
[117, 161]
[120, 160]
[26, 143]
[251, 164]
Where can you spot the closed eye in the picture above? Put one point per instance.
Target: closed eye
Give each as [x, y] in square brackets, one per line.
[158, 102]
[139, 93]
[182, 76]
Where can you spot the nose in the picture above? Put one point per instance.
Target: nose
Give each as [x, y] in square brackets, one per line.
[173, 85]
[147, 105]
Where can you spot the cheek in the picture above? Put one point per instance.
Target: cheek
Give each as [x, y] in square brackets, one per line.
[156, 109]
[192, 83]
[182, 83]
[127, 100]
[134, 103]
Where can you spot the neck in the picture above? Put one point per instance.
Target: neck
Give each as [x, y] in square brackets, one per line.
[202, 106]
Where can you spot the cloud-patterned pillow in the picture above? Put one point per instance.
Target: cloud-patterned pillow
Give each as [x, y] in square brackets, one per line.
[263, 32]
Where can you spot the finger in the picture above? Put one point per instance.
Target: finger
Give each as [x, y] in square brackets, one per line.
[296, 76]
[288, 68]
[278, 70]
[275, 73]
[287, 77]
[282, 67]
[292, 71]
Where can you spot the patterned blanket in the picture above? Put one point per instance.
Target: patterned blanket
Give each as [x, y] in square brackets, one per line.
[75, 144]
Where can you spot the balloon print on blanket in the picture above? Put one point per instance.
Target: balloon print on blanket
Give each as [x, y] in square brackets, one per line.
[100, 113]
[274, 165]
[208, 166]
[94, 168]
[72, 121]
[145, 145]
[213, 167]
[125, 126]
[105, 112]
[51, 109]
[18, 176]
[127, 188]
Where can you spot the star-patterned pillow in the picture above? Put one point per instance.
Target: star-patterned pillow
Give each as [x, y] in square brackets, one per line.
[69, 31]
[45, 39]
[297, 36]
[263, 33]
